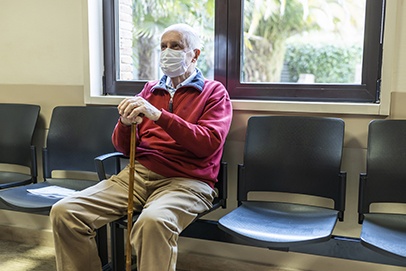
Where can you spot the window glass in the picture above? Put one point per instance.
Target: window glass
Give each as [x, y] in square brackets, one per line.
[141, 24]
[306, 42]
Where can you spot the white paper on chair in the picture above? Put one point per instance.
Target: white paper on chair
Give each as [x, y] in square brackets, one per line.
[52, 191]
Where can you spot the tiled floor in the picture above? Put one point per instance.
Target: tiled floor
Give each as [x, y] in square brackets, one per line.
[22, 257]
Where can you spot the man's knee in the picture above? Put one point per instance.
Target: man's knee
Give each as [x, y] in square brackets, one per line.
[147, 219]
[59, 211]
[153, 221]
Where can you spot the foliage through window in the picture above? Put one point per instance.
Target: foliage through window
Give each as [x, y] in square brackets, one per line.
[311, 50]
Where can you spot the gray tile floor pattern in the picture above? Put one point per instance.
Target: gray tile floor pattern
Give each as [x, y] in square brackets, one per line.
[22, 257]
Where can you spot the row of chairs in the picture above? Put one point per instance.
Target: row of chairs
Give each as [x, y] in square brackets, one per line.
[302, 156]
[291, 154]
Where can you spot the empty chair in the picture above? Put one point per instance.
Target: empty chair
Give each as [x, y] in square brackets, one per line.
[117, 227]
[295, 155]
[384, 182]
[17, 122]
[77, 134]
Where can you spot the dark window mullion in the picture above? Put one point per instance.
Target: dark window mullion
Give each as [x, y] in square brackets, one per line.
[234, 23]
[373, 46]
[220, 43]
[109, 47]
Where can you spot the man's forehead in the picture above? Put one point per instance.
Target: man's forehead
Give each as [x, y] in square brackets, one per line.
[172, 36]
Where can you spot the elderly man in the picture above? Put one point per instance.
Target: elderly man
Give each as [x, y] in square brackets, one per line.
[183, 121]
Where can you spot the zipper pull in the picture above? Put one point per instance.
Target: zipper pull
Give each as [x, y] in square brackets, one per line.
[171, 105]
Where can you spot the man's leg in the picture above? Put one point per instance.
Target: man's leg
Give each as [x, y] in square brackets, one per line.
[74, 220]
[171, 207]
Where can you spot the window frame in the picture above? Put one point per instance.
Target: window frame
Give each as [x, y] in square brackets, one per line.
[112, 86]
[227, 61]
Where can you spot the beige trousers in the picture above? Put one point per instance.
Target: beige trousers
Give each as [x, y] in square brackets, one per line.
[168, 206]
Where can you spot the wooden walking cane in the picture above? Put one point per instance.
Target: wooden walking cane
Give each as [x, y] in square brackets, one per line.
[130, 195]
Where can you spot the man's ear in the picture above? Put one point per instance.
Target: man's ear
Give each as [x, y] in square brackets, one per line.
[197, 54]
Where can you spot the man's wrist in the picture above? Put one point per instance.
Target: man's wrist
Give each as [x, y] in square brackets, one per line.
[157, 115]
[124, 122]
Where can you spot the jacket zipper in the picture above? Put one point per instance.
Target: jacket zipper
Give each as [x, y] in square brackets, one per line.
[171, 104]
[171, 101]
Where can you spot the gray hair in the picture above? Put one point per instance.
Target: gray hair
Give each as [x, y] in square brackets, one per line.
[189, 34]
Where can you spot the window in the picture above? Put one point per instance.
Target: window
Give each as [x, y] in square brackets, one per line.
[299, 50]
[132, 33]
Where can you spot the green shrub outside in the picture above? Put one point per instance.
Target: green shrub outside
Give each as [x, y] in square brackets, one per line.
[328, 63]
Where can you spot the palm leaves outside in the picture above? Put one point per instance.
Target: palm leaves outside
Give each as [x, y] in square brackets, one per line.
[150, 18]
[267, 26]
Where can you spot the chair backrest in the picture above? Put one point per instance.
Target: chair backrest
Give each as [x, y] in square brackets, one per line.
[77, 134]
[294, 154]
[385, 177]
[17, 123]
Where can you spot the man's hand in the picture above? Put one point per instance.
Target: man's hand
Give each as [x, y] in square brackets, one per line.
[132, 110]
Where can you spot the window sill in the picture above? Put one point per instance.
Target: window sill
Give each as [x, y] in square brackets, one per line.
[308, 107]
[277, 106]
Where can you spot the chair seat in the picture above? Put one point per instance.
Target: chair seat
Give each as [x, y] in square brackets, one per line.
[20, 199]
[10, 179]
[122, 222]
[276, 224]
[385, 233]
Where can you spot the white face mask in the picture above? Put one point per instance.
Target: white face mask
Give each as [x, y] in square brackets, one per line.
[173, 62]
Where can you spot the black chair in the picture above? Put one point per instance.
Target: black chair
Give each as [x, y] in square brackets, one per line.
[117, 227]
[77, 134]
[295, 155]
[384, 182]
[17, 122]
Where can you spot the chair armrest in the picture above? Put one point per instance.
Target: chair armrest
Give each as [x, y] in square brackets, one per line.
[223, 174]
[99, 162]
[34, 167]
[343, 187]
[363, 176]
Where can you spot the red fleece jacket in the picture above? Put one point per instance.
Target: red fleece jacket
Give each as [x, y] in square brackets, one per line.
[187, 142]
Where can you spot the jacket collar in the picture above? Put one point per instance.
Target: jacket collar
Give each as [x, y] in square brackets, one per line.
[196, 83]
